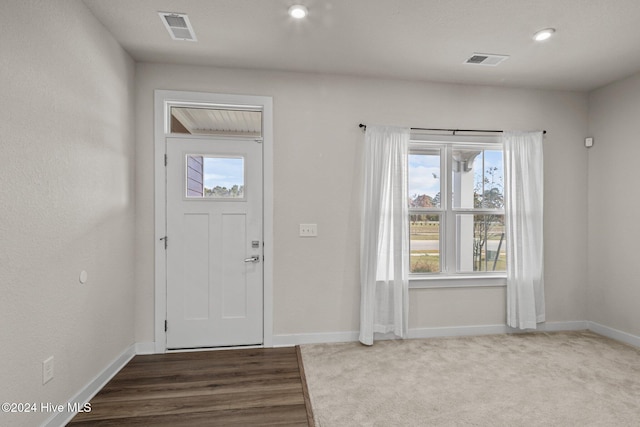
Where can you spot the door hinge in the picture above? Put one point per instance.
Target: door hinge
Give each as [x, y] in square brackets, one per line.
[165, 326]
[165, 160]
[166, 239]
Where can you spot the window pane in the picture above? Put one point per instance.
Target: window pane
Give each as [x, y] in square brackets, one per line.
[424, 179]
[478, 178]
[216, 121]
[480, 243]
[425, 243]
[214, 177]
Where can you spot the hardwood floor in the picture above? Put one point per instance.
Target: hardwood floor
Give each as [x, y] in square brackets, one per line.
[252, 387]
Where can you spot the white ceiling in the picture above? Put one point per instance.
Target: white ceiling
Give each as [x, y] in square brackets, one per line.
[597, 41]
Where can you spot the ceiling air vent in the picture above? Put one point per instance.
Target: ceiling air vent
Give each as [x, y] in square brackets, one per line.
[486, 59]
[178, 26]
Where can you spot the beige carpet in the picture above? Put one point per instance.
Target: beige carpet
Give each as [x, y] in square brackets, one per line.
[541, 379]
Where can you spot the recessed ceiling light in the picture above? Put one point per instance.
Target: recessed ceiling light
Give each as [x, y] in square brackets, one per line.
[298, 11]
[544, 34]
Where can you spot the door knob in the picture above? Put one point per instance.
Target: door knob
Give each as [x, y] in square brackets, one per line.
[255, 258]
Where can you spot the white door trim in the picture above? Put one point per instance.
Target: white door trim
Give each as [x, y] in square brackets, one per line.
[161, 99]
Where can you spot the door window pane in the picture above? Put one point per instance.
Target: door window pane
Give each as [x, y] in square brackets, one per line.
[214, 177]
[424, 243]
[481, 244]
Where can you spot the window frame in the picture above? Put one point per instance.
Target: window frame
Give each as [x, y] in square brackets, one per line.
[449, 276]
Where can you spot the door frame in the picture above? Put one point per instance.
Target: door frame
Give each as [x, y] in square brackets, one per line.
[162, 99]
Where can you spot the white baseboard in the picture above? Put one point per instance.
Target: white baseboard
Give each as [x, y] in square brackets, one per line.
[290, 340]
[92, 388]
[614, 334]
[572, 325]
[466, 331]
[287, 340]
[458, 331]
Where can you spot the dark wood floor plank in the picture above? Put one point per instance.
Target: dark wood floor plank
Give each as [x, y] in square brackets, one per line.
[230, 387]
[198, 388]
[190, 404]
[277, 416]
[165, 374]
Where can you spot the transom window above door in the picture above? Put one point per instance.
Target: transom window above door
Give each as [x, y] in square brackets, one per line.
[216, 121]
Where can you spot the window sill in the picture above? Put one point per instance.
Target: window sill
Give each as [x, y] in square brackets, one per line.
[458, 281]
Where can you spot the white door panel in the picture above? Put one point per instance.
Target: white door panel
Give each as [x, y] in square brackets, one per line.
[214, 253]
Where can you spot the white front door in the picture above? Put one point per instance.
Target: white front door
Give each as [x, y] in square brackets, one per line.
[214, 242]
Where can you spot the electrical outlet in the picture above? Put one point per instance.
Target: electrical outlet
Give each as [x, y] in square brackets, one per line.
[308, 230]
[47, 370]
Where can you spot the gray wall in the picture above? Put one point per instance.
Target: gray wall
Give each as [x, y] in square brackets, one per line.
[66, 201]
[614, 206]
[317, 164]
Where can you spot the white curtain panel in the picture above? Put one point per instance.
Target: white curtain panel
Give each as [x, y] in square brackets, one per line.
[523, 167]
[384, 241]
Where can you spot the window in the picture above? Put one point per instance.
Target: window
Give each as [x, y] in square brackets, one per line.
[216, 121]
[456, 207]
